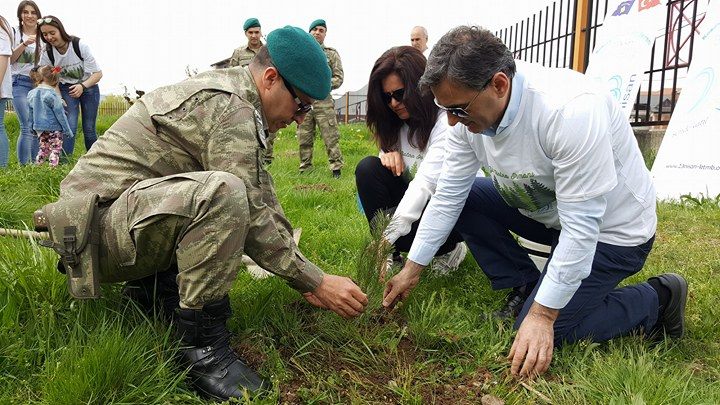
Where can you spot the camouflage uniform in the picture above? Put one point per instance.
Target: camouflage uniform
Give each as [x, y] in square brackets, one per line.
[242, 57]
[323, 114]
[180, 179]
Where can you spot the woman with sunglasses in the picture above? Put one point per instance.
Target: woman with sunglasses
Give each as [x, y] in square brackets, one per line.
[410, 131]
[25, 56]
[6, 39]
[78, 78]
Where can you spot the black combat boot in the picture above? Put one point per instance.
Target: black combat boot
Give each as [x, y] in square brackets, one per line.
[156, 294]
[214, 368]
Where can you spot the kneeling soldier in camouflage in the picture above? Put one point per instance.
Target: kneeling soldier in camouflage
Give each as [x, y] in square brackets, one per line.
[183, 193]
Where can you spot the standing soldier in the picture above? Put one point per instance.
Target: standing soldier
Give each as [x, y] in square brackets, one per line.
[323, 113]
[178, 191]
[242, 57]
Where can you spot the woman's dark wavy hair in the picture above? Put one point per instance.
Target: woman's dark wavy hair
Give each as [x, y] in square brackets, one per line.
[408, 63]
[20, 8]
[57, 24]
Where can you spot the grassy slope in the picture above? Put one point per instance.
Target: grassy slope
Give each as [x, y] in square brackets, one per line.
[436, 348]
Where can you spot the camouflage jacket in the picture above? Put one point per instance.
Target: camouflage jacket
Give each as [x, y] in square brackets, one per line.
[213, 121]
[335, 63]
[242, 56]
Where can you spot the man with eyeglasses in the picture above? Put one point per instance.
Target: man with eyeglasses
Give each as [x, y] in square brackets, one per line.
[563, 168]
[323, 114]
[183, 194]
[242, 56]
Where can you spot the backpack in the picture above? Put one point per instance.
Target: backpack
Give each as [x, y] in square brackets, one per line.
[76, 47]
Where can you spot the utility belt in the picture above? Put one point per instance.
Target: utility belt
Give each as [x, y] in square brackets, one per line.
[73, 225]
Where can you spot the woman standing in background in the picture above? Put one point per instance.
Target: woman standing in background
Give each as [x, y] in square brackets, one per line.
[25, 55]
[78, 78]
[6, 39]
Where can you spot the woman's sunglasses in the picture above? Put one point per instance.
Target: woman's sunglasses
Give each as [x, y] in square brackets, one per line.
[46, 20]
[396, 94]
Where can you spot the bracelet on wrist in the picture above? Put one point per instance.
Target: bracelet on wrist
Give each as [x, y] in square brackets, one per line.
[83, 86]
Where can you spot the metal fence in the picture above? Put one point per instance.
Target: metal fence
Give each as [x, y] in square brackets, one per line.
[551, 36]
[107, 107]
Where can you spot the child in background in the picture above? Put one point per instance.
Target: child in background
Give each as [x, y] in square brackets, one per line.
[47, 115]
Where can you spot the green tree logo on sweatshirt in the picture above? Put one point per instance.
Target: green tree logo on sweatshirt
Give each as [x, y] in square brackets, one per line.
[26, 57]
[73, 73]
[530, 196]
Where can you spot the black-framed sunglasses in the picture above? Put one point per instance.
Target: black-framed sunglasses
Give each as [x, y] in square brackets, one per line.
[461, 112]
[303, 108]
[395, 94]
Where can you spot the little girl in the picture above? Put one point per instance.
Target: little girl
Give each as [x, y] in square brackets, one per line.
[47, 115]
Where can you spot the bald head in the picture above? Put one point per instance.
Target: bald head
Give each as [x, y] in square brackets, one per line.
[419, 38]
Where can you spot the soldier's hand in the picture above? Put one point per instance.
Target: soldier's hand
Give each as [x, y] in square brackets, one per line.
[393, 161]
[340, 295]
[313, 300]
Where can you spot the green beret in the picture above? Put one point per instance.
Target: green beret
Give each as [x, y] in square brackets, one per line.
[317, 22]
[300, 60]
[251, 23]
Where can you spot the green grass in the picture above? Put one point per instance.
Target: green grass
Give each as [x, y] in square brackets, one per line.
[436, 348]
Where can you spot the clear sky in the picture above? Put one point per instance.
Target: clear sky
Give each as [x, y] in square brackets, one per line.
[144, 44]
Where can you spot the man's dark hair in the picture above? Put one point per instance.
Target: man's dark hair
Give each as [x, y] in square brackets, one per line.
[469, 56]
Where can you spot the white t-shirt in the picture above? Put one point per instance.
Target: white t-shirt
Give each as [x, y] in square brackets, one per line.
[74, 70]
[568, 142]
[6, 52]
[26, 61]
[426, 165]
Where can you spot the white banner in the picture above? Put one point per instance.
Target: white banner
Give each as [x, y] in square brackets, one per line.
[623, 45]
[688, 161]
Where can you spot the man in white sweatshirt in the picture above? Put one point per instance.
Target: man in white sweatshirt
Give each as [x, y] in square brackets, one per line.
[562, 168]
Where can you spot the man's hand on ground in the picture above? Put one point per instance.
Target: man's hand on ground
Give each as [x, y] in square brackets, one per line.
[532, 350]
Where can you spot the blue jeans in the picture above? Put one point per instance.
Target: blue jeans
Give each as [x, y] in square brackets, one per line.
[598, 310]
[88, 103]
[4, 144]
[27, 144]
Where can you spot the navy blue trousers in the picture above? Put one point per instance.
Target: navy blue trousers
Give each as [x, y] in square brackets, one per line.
[598, 311]
[381, 191]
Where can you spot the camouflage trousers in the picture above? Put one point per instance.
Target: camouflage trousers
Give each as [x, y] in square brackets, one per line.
[323, 117]
[198, 220]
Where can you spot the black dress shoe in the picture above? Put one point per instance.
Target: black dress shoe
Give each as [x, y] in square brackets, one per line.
[672, 319]
[515, 301]
[513, 306]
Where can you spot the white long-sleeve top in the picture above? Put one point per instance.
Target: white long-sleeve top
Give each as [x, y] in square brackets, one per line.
[427, 165]
[567, 158]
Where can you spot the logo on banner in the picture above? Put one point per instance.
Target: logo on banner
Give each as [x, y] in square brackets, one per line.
[624, 8]
[615, 86]
[646, 4]
[704, 82]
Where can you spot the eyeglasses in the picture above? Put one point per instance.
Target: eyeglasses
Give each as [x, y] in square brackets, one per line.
[461, 112]
[396, 94]
[46, 20]
[303, 108]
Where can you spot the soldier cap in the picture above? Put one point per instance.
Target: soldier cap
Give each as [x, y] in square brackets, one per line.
[251, 23]
[319, 22]
[300, 60]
